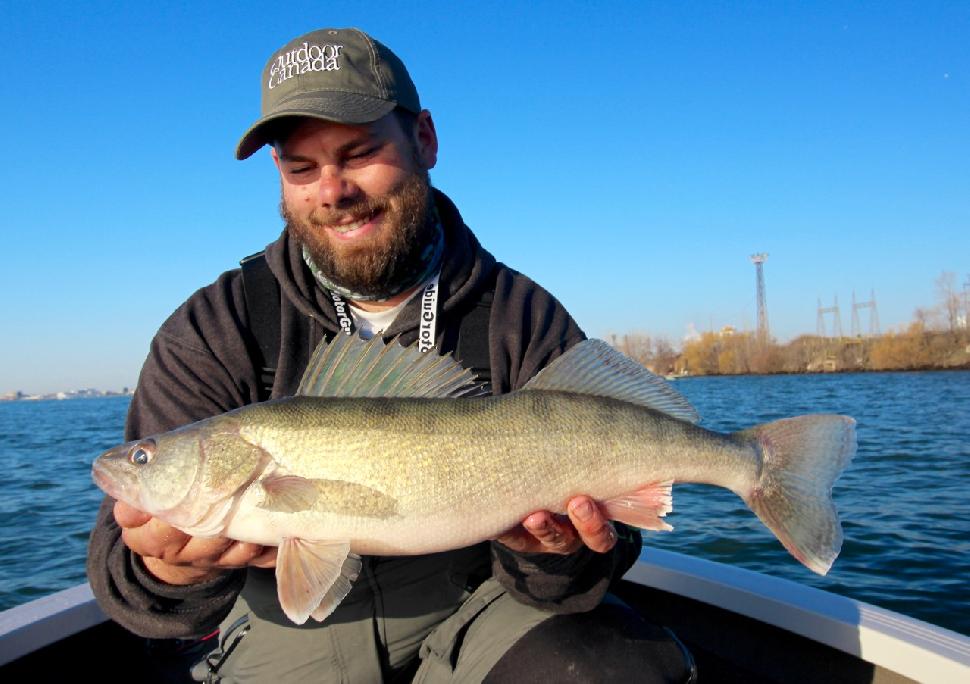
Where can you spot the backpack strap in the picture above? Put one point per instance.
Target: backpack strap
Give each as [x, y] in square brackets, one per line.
[472, 348]
[263, 306]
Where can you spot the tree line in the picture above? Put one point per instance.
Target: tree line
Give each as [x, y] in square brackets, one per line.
[938, 338]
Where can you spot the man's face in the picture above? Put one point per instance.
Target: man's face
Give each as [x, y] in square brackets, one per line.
[358, 197]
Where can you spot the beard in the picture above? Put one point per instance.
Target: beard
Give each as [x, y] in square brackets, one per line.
[390, 261]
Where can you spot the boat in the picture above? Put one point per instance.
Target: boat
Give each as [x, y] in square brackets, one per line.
[740, 626]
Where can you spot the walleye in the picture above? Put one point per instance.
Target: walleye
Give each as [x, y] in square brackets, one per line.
[389, 451]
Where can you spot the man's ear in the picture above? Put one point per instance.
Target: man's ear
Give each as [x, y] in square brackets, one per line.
[426, 140]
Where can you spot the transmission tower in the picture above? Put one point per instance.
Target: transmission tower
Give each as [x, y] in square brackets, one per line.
[820, 321]
[758, 260]
[873, 315]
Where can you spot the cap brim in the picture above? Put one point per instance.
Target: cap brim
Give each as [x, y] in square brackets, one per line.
[340, 107]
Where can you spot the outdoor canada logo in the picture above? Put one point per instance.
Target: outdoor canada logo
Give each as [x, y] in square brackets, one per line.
[305, 58]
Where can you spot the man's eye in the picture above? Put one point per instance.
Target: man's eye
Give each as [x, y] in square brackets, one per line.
[364, 153]
[300, 169]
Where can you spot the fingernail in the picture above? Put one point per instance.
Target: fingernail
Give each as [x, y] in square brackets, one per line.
[583, 511]
[537, 523]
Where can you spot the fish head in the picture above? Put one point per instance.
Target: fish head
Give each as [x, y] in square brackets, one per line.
[188, 477]
[154, 474]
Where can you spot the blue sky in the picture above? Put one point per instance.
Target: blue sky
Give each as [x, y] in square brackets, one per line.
[628, 156]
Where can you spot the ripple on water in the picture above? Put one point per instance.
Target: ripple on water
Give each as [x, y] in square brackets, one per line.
[43, 485]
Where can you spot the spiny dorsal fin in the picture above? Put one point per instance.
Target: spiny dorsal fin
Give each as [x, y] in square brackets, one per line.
[594, 367]
[352, 367]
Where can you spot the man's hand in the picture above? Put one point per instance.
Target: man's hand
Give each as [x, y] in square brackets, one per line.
[177, 558]
[545, 532]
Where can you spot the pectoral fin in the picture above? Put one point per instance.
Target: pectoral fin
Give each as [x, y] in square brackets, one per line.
[312, 577]
[643, 508]
[293, 494]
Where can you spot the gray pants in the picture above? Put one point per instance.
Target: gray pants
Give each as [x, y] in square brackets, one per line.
[377, 631]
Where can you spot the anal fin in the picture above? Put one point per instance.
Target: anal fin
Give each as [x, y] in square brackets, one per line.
[340, 588]
[313, 577]
[643, 508]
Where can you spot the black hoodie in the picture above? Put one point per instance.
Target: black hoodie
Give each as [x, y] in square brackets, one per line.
[199, 365]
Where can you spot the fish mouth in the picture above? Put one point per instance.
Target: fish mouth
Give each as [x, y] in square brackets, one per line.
[108, 482]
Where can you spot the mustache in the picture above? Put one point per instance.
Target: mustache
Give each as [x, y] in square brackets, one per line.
[354, 209]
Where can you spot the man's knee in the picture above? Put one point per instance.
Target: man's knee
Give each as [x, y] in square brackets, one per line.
[611, 643]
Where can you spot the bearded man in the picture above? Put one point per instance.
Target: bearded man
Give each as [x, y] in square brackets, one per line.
[365, 235]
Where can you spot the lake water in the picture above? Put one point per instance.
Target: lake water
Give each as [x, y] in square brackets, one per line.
[904, 500]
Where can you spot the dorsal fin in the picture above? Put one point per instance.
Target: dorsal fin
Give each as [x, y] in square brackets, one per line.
[352, 367]
[594, 367]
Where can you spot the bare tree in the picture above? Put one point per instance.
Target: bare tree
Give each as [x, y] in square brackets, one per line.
[664, 356]
[637, 346]
[946, 290]
[927, 317]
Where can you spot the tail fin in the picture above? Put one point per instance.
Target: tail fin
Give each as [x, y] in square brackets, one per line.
[801, 459]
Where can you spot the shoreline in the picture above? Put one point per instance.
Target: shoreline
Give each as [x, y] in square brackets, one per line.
[841, 371]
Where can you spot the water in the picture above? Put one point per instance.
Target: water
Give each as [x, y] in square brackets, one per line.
[47, 499]
[903, 500]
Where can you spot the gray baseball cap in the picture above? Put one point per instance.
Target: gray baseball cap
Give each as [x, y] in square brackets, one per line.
[340, 75]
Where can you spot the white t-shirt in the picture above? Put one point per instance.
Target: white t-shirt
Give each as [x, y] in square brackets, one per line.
[370, 323]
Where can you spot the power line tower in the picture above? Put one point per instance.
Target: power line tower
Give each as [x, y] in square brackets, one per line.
[873, 315]
[820, 321]
[758, 260]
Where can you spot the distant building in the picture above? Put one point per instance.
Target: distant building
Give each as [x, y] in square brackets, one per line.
[86, 393]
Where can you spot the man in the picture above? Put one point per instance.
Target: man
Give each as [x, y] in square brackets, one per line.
[368, 248]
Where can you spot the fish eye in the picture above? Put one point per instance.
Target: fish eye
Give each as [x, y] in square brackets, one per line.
[142, 453]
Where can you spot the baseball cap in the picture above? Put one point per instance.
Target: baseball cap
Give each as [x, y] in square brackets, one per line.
[340, 75]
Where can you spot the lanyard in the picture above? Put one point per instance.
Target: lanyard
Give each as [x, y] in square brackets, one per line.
[428, 316]
[343, 315]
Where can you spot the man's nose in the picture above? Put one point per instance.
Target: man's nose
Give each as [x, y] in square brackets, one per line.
[335, 187]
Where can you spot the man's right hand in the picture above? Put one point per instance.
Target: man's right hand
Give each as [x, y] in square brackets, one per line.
[177, 558]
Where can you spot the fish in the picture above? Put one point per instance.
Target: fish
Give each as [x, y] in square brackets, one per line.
[385, 450]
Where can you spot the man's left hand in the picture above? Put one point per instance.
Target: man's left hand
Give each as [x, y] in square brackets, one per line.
[546, 532]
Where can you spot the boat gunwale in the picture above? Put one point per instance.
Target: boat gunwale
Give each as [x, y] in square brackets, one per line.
[32, 626]
[898, 643]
